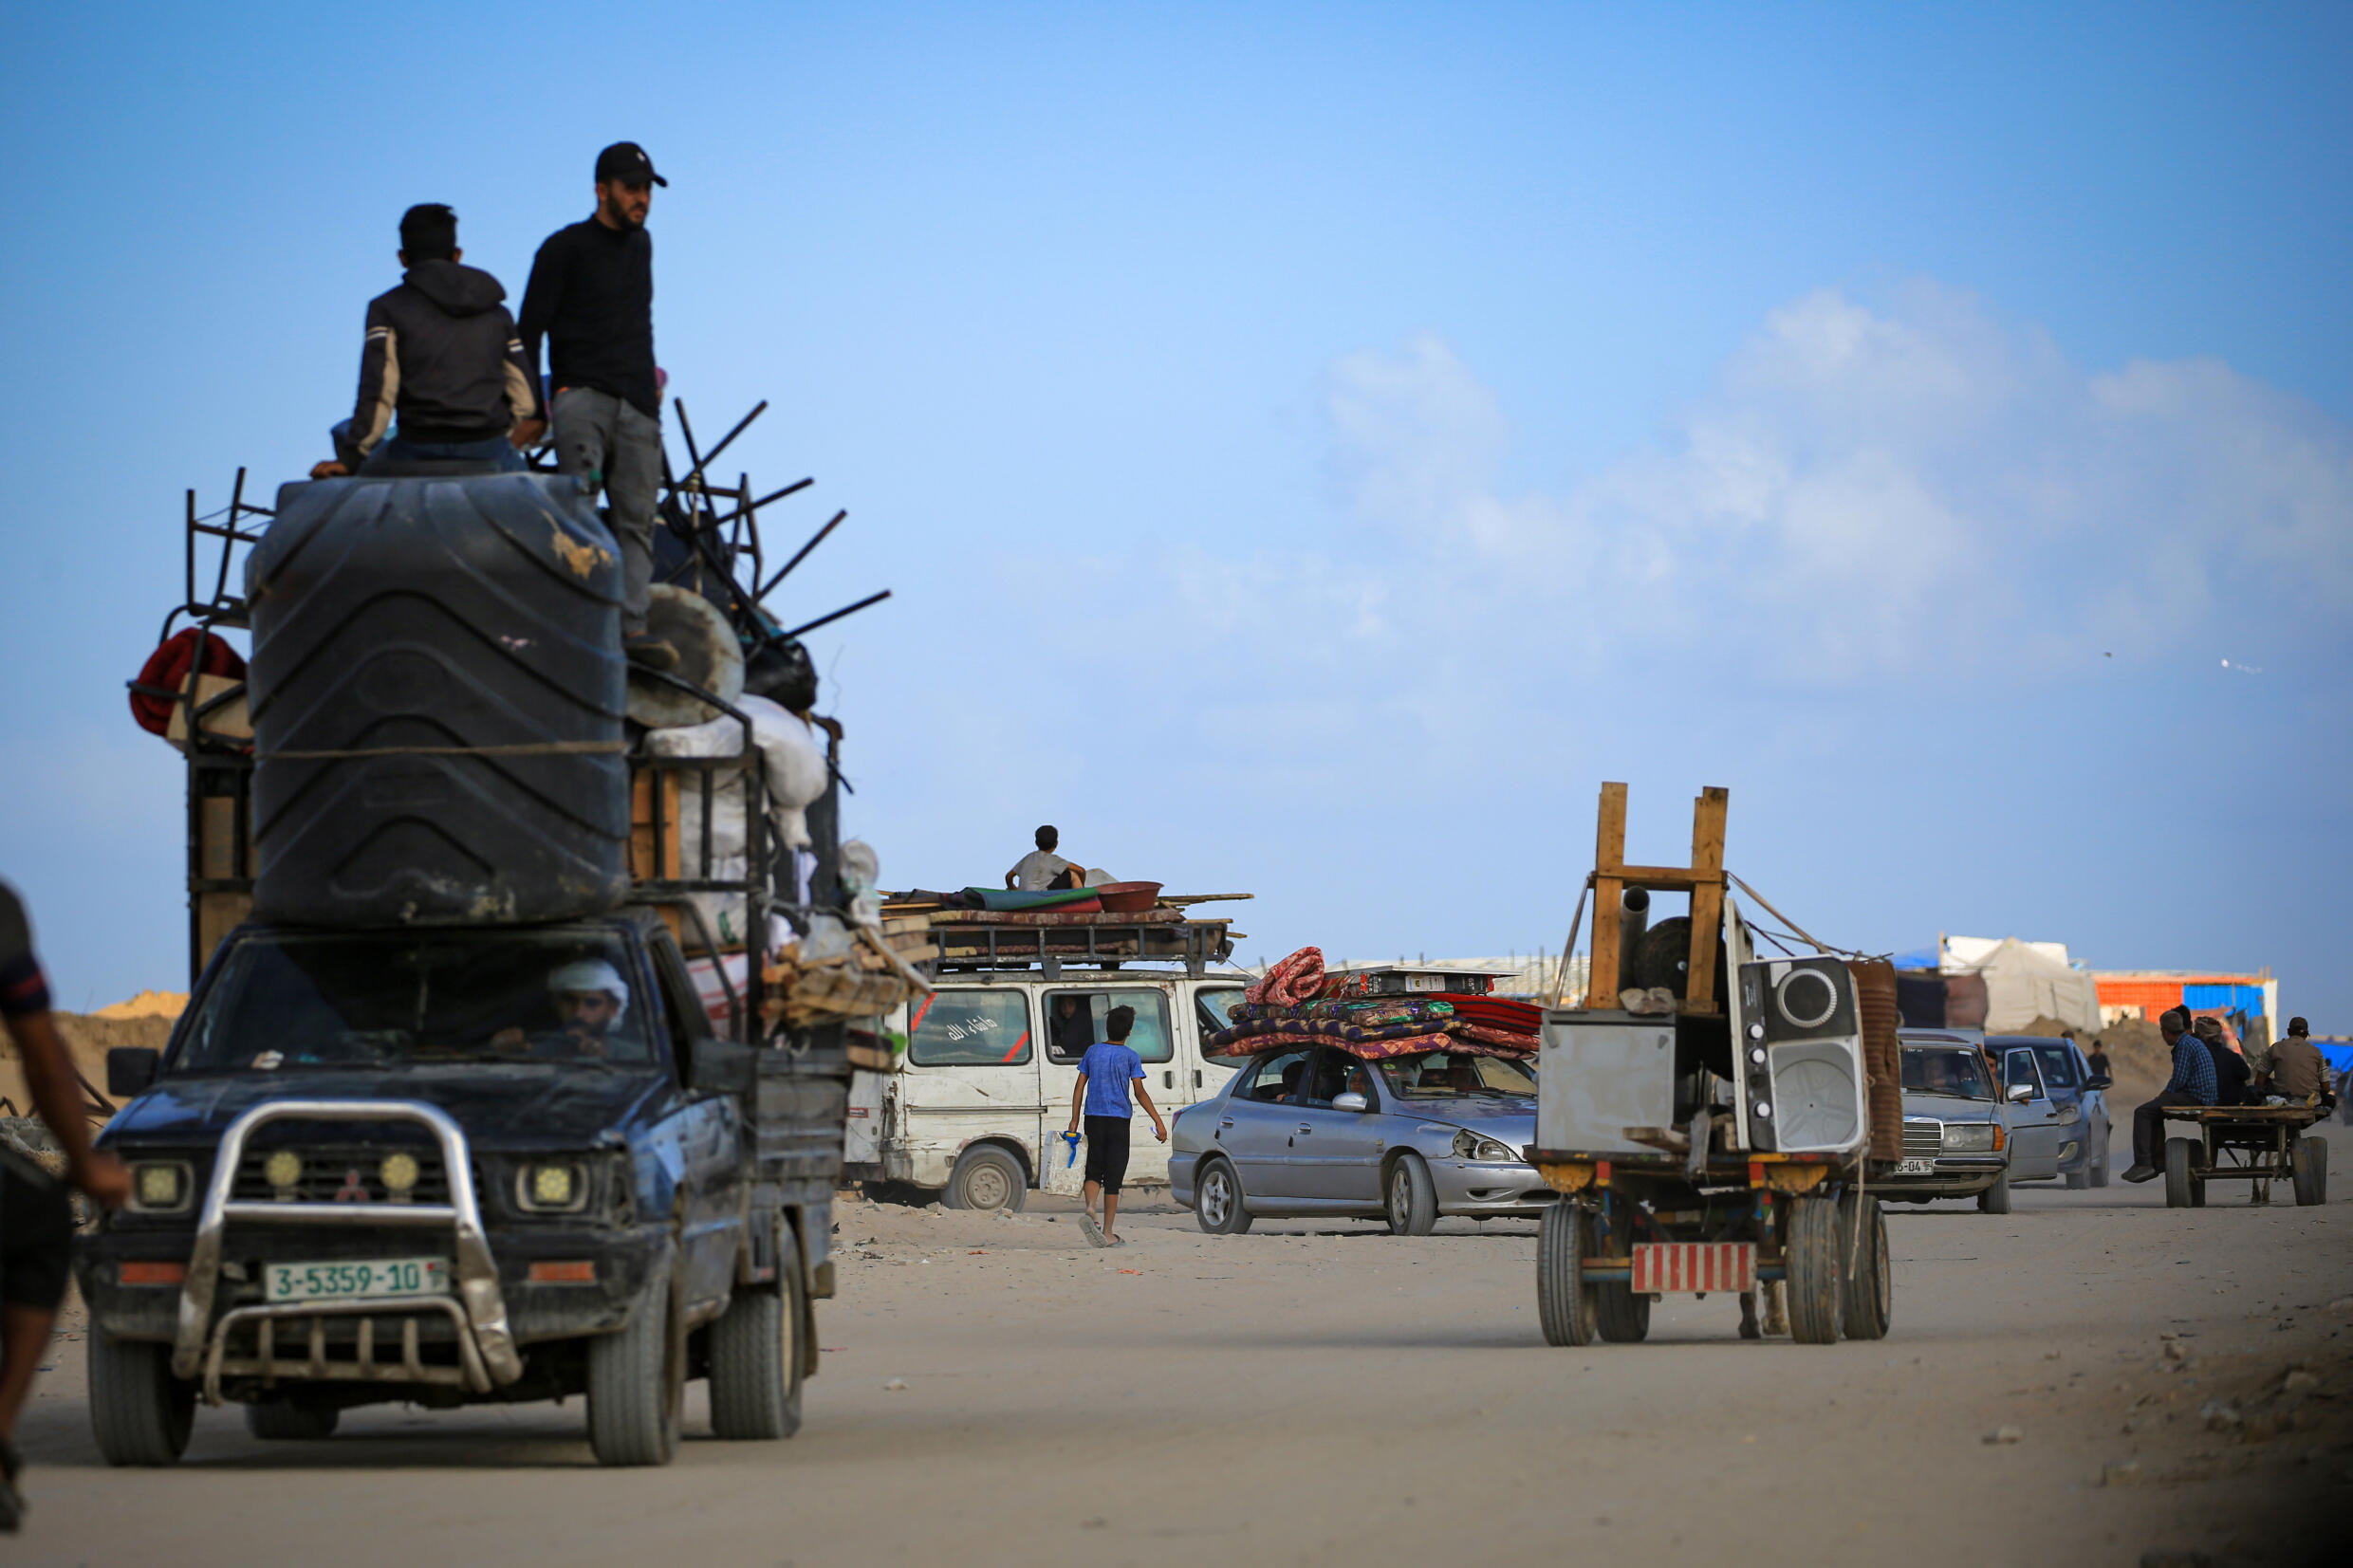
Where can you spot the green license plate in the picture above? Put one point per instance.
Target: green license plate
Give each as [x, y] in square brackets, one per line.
[336, 1281]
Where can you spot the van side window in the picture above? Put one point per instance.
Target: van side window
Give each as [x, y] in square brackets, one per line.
[1068, 1033]
[1210, 1013]
[970, 1029]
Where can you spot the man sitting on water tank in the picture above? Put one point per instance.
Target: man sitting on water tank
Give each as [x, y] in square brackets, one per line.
[591, 1000]
[442, 354]
[1043, 871]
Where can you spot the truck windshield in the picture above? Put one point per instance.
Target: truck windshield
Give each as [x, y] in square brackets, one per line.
[397, 999]
[1947, 1070]
[1452, 1075]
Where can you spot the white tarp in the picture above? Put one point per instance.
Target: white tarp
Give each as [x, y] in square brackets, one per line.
[1964, 953]
[2025, 982]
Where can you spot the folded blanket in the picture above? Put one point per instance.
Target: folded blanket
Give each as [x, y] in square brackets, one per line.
[1363, 1050]
[1296, 979]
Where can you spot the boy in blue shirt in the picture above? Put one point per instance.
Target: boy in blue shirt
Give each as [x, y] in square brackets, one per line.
[1105, 1073]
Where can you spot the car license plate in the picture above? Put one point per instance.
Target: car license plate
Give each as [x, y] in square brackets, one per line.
[1916, 1167]
[336, 1281]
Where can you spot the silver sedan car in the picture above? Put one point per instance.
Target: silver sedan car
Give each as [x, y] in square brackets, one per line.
[1304, 1130]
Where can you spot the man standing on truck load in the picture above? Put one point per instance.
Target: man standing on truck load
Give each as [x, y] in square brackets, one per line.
[442, 354]
[1041, 870]
[591, 296]
[1105, 1074]
[2193, 1083]
[36, 1222]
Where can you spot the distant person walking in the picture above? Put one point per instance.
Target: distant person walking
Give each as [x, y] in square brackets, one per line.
[2193, 1083]
[2098, 1060]
[442, 357]
[1041, 870]
[1101, 1096]
[591, 297]
[36, 1222]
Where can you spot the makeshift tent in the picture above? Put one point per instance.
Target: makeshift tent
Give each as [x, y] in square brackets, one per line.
[2024, 983]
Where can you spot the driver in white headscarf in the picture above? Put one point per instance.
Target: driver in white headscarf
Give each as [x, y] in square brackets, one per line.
[591, 1000]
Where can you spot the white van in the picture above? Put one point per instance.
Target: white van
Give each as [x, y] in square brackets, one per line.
[982, 1096]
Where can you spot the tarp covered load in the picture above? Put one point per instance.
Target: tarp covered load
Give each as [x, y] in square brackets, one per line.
[1296, 1003]
[2021, 983]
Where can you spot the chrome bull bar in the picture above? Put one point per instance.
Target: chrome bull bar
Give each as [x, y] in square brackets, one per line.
[486, 1346]
[363, 1366]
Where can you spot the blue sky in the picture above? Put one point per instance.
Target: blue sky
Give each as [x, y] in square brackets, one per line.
[1313, 446]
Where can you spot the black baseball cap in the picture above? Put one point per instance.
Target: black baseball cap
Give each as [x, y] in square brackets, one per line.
[626, 162]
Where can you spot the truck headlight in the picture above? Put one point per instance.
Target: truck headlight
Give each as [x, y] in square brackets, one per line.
[162, 1187]
[1969, 1137]
[552, 1187]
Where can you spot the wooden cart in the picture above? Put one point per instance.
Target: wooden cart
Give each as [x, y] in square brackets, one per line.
[2254, 1143]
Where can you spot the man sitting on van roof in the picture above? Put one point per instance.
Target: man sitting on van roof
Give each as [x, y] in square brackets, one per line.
[1041, 870]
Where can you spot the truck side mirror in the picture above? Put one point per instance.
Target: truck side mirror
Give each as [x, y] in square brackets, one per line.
[721, 1067]
[131, 1068]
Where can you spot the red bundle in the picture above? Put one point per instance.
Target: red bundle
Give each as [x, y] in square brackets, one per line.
[1295, 980]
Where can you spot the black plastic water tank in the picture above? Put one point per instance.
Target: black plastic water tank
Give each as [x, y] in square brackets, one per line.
[438, 693]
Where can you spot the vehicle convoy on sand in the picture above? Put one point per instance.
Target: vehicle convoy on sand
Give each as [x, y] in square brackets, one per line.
[1712, 1122]
[1956, 1137]
[447, 1119]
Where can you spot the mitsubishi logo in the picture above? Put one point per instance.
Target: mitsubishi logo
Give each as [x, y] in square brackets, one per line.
[353, 1190]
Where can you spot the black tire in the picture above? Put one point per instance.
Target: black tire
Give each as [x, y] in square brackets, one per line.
[1662, 957]
[292, 1420]
[1870, 1296]
[1622, 1316]
[987, 1177]
[1412, 1196]
[2181, 1192]
[1816, 1297]
[756, 1357]
[2100, 1161]
[633, 1391]
[2079, 1180]
[140, 1412]
[2307, 1163]
[1564, 1303]
[1995, 1199]
[1218, 1199]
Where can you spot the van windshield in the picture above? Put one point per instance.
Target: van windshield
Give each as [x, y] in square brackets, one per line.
[288, 1001]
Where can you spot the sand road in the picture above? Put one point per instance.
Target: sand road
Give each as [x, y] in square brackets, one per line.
[995, 1392]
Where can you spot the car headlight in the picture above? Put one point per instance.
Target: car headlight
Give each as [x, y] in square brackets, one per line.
[1469, 1146]
[552, 1187]
[1969, 1137]
[162, 1187]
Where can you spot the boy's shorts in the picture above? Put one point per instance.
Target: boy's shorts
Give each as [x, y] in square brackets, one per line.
[36, 1237]
[1106, 1150]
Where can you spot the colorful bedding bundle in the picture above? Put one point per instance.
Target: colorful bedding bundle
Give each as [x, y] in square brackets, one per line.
[1295, 1004]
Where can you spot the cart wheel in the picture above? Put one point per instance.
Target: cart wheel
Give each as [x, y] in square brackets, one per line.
[2307, 1162]
[1869, 1291]
[1815, 1296]
[2181, 1155]
[1564, 1301]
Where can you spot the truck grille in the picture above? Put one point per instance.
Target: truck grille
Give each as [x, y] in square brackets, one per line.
[1922, 1137]
[341, 1175]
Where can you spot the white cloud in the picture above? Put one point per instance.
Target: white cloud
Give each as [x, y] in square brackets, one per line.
[1867, 492]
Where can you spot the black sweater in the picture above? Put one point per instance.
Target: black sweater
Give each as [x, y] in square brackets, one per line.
[441, 352]
[591, 296]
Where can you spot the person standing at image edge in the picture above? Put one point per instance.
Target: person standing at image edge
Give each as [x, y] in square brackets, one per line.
[1104, 1075]
[591, 297]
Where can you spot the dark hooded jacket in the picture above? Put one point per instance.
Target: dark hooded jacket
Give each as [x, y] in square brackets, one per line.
[442, 353]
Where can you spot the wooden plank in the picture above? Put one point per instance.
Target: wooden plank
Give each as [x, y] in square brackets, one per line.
[1707, 900]
[1666, 879]
[1609, 854]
